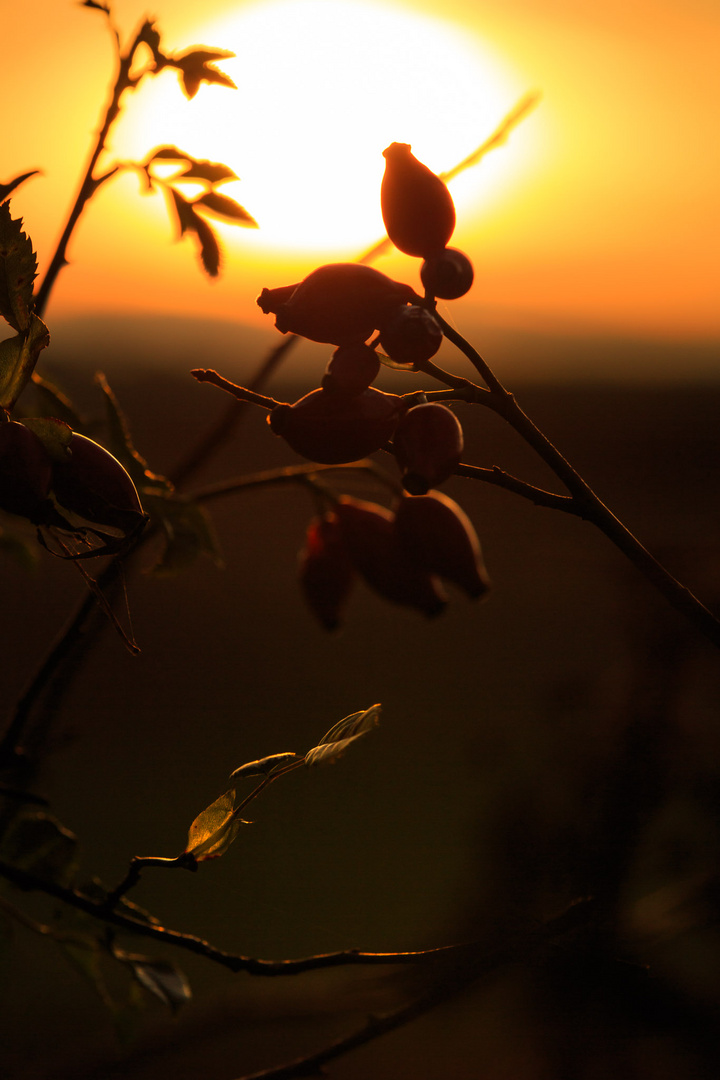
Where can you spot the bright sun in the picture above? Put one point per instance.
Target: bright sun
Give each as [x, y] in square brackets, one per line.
[323, 87]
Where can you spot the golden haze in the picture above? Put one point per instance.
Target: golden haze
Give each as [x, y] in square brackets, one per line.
[600, 214]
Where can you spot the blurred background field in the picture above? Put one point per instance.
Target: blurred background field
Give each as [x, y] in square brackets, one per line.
[472, 805]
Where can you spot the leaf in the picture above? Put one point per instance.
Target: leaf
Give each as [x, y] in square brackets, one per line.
[55, 435]
[7, 189]
[226, 208]
[18, 357]
[168, 153]
[336, 741]
[52, 401]
[121, 444]
[96, 6]
[189, 533]
[18, 269]
[166, 981]
[196, 67]
[209, 247]
[186, 216]
[263, 766]
[212, 171]
[213, 831]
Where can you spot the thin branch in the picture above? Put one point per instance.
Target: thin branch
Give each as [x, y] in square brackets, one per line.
[499, 478]
[98, 909]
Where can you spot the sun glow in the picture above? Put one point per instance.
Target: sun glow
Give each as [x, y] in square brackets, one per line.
[323, 87]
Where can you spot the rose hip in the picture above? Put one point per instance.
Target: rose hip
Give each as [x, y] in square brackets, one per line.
[437, 535]
[447, 275]
[428, 443]
[25, 471]
[326, 570]
[351, 369]
[411, 335]
[333, 429]
[417, 207]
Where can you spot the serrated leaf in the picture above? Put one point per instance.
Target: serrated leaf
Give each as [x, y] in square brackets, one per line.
[263, 766]
[213, 831]
[7, 189]
[18, 269]
[339, 738]
[166, 981]
[18, 357]
[189, 533]
[227, 208]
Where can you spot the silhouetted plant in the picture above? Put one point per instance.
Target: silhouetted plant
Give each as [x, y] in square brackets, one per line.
[86, 500]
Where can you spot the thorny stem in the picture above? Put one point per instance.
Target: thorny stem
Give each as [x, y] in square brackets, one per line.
[90, 182]
[584, 502]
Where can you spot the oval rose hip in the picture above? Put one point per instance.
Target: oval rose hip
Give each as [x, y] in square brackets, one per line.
[369, 535]
[93, 484]
[333, 429]
[25, 471]
[417, 208]
[341, 303]
[428, 443]
[351, 369]
[437, 535]
[326, 570]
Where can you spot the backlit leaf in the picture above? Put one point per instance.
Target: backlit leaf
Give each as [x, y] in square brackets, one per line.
[263, 766]
[226, 208]
[18, 357]
[18, 269]
[55, 435]
[188, 530]
[209, 247]
[121, 445]
[212, 171]
[338, 739]
[164, 980]
[213, 831]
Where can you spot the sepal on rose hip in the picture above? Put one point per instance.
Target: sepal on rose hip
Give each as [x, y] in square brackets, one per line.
[428, 444]
[369, 534]
[334, 429]
[437, 535]
[326, 570]
[417, 208]
[340, 303]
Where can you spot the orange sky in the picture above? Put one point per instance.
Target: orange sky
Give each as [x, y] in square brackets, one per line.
[600, 214]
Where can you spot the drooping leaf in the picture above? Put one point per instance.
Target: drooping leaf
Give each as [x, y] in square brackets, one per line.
[213, 831]
[7, 189]
[53, 402]
[209, 246]
[121, 443]
[263, 766]
[188, 531]
[184, 213]
[18, 356]
[339, 738]
[227, 208]
[18, 269]
[166, 981]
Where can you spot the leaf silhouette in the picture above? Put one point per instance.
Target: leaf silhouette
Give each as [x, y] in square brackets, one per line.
[227, 208]
[18, 269]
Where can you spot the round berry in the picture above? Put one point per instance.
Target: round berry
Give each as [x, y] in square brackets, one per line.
[351, 369]
[447, 275]
[428, 443]
[411, 335]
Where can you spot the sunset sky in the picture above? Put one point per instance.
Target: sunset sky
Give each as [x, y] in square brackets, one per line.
[599, 215]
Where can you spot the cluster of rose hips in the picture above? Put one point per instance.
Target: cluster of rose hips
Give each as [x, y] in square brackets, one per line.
[401, 554]
[61, 480]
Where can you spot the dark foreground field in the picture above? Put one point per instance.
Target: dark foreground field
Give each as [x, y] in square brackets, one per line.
[471, 811]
